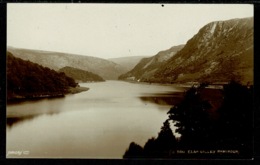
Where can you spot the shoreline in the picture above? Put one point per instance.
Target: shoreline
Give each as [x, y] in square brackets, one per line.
[19, 98]
[181, 85]
[77, 90]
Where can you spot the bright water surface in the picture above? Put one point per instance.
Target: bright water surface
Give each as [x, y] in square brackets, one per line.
[98, 123]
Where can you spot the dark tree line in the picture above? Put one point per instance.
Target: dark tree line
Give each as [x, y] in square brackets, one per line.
[80, 75]
[216, 120]
[26, 79]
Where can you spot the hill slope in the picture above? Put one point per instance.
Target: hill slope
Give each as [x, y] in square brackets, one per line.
[221, 51]
[28, 80]
[148, 66]
[80, 75]
[54, 60]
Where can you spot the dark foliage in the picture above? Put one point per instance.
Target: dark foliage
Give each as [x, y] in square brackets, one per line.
[192, 119]
[234, 126]
[154, 147]
[204, 125]
[28, 80]
[80, 75]
[160, 147]
[134, 151]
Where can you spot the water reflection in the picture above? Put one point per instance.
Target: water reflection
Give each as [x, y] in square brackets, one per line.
[168, 98]
[12, 121]
[21, 101]
[18, 111]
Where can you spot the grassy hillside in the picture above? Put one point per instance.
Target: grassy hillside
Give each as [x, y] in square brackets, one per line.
[55, 60]
[148, 66]
[221, 51]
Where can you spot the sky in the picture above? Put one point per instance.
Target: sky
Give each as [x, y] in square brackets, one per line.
[112, 30]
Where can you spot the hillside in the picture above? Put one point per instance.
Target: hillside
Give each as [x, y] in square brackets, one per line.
[81, 75]
[29, 80]
[148, 66]
[127, 62]
[221, 51]
[54, 60]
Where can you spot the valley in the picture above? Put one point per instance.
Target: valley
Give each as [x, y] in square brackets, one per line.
[221, 51]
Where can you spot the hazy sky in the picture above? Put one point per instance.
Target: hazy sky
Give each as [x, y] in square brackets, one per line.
[111, 30]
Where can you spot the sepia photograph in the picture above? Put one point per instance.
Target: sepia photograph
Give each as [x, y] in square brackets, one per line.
[129, 81]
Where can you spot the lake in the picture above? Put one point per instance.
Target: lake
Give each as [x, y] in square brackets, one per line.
[98, 123]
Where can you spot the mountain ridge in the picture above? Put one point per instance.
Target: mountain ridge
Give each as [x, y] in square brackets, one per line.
[221, 51]
[149, 65]
[57, 60]
[215, 53]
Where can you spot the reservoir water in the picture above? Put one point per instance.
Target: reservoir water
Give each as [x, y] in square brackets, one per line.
[98, 123]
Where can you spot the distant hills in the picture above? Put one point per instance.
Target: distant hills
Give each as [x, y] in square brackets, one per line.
[30, 80]
[80, 75]
[221, 51]
[148, 66]
[127, 62]
[54, 60]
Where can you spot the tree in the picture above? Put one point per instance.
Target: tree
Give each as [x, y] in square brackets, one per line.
[230, 129]
[166, 140]
[134, 151]
[28, 79]
[192, 119]
[234, 127]
[161, 146]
